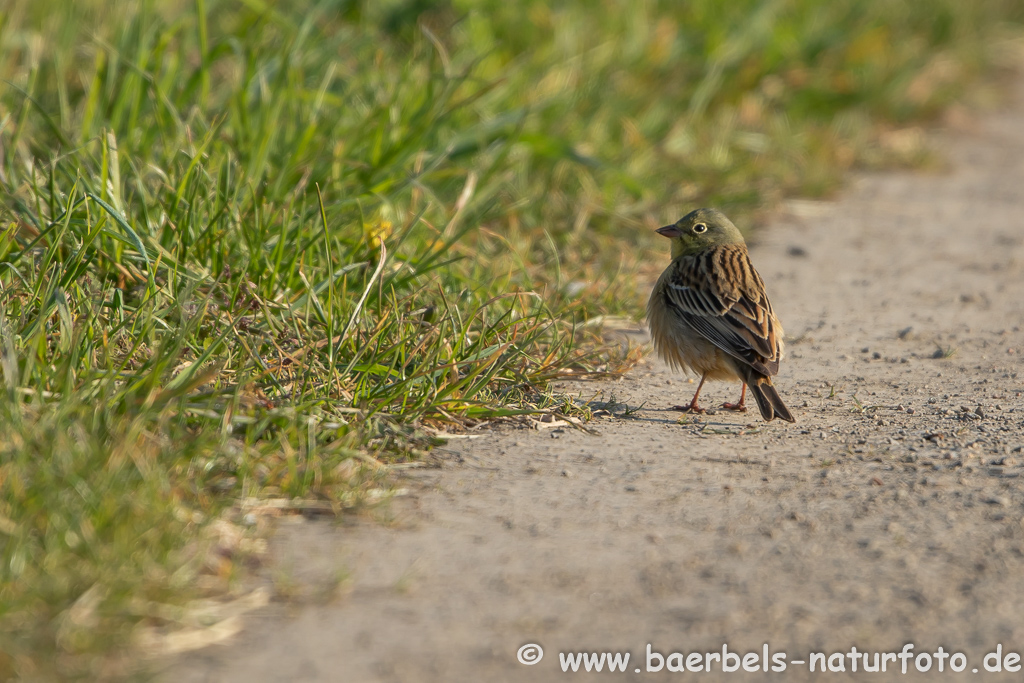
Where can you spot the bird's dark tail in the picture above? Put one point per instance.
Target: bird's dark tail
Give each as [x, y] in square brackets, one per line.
[768, 400]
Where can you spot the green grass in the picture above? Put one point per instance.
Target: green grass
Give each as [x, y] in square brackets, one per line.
[252, 249]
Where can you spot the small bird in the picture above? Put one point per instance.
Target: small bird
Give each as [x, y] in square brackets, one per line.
[710, 314]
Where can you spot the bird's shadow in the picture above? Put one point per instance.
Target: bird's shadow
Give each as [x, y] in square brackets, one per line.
[644, 412]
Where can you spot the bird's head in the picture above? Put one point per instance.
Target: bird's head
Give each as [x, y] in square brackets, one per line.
[699, 230]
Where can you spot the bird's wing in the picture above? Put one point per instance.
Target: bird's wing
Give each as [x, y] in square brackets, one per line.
[719, 294]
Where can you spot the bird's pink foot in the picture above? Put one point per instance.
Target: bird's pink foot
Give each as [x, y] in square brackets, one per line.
[739, 407]
[693, 407]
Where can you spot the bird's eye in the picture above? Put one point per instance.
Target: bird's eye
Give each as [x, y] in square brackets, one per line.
[699, 228]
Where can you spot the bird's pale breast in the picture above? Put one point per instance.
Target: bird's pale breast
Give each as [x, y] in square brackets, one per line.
[681, 346]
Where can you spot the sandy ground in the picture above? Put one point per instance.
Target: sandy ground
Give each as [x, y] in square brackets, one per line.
[892, 512]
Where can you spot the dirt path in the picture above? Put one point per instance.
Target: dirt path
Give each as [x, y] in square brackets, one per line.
[892, 512]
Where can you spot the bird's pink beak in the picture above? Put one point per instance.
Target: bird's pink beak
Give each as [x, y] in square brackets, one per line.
[669, 231]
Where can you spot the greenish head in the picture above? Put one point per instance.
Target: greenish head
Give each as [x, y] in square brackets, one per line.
[699, 230]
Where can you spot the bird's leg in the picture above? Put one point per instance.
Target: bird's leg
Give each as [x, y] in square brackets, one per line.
[693, 407]
[738, 407]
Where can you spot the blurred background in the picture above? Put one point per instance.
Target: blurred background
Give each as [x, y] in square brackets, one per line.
[261, 250]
